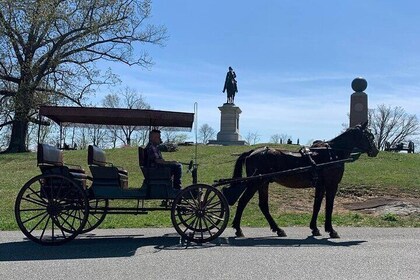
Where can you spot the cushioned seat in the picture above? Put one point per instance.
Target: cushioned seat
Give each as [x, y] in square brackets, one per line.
[105, 173]
[152, 172]
[157, 180]
[50, 161]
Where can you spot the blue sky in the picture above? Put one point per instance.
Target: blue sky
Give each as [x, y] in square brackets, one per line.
[294, 60]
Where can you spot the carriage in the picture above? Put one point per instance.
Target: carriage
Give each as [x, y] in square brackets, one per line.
[64, 201]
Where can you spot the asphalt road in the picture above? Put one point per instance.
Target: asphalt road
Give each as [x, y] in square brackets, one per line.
[361, 253]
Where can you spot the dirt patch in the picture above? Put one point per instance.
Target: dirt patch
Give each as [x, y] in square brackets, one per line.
[301, 201]
[386, 205]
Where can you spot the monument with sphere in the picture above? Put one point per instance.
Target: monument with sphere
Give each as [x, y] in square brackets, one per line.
[358, 102]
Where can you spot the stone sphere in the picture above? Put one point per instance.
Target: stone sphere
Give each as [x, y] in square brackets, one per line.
[359, 84]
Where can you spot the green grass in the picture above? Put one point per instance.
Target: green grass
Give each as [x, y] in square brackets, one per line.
[388, 174]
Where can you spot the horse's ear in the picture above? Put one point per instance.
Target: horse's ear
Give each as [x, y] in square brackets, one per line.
[364, 125]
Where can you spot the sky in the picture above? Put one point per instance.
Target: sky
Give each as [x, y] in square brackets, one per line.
[294, 61]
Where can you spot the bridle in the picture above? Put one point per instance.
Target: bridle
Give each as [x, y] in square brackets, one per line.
[366, 134]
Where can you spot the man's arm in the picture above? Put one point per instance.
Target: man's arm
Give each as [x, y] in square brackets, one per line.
[158, 158]
[162, 161]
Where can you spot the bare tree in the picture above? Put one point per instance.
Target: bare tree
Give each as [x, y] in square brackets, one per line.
[142, 137]
[280, 138]
[48, 51]
[252, 138]
[6, 116]
[168, 135]
[392, 125]
[172, 135]
[180, 138]
[83, 138]
[97, 135]
[205, 133]
[131, 99]
[275, 139]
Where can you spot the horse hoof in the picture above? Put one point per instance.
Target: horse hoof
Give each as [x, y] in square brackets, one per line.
[334, 234]
[281, 233]
[239, 233]
[316, 232]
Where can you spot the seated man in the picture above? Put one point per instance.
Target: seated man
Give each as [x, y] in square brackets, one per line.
[154, 158]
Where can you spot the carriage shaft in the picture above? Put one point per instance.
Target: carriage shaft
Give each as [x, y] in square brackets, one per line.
[317, 167]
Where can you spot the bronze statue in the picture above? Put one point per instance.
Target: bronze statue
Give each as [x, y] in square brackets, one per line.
[230, 86]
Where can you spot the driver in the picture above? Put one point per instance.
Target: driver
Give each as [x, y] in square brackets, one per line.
[155, 159]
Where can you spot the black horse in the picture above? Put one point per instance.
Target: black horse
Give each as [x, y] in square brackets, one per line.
[325, 179]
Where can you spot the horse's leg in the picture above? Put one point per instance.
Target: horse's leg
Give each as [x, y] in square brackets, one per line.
[243, 201]
[330, 196]
[263, 204]
[319, 194]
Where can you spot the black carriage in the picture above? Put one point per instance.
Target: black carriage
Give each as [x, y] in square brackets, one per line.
[64, 201]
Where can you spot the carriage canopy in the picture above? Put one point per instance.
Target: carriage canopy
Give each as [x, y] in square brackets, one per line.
[63, 115]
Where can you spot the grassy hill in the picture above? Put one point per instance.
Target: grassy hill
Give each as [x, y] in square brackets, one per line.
[389, 174]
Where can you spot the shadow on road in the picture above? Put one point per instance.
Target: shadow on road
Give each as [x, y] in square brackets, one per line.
[310, 241]
[91, 246]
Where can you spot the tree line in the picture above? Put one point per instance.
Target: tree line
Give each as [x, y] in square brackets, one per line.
[389, 125]
[74, 137]
[48, 55]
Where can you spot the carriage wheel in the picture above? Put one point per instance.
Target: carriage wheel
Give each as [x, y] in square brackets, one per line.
[200, 213]
[98, 208]
[51, 209]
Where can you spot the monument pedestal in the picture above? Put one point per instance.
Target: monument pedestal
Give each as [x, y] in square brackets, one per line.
[229, 126]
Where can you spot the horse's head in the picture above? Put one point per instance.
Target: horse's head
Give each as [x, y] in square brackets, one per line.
[358, 137]
[364, 140]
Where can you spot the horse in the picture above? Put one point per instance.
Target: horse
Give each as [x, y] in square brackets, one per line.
[230, 87]
[324, 179]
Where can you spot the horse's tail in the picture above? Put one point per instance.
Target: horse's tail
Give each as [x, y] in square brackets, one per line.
[237, 172]
[234, 191]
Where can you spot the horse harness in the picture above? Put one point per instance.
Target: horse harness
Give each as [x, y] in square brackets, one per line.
[306, 153]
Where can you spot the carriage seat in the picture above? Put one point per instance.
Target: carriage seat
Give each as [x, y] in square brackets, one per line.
[105, 173]
[152, 173]
[158, 181]
[50, 161]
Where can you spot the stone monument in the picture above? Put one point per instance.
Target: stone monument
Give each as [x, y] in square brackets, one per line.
[229, 126]
[229, 118]
[358, 102]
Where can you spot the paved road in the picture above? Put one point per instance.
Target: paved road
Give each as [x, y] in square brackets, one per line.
[361, 253]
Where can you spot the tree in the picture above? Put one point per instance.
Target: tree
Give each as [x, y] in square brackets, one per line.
[48, 50]
[279, 138]
[170, 135]
[96, 135]
[252, 138]
[275, 139]
[131, 99]
[392, 125]
[205, 133]
[6, 116]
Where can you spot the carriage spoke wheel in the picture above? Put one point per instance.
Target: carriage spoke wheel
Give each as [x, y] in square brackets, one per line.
[51, 209]
[98, 208]
[200, 213]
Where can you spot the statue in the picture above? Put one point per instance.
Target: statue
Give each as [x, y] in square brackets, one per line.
[230, 86]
